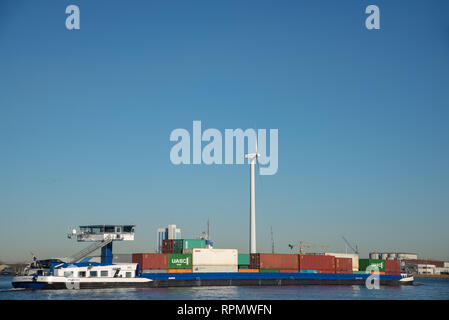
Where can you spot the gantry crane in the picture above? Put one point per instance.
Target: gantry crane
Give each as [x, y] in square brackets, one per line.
[302, 245]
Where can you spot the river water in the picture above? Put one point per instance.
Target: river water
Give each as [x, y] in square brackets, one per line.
[433, 289]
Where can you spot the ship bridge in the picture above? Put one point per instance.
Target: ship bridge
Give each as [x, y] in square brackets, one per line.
[103, 236]
[103, 232]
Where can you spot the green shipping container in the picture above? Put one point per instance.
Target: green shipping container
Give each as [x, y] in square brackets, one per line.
[179, 261]
[364, 263]
[269, 270]
[180, 244]
[243, 259]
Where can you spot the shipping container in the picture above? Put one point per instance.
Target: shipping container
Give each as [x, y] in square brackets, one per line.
[151, 260]
[179, 261]
[243, 266]
[343, 265]
[393, 267]
[269, 270]
[243, 259]
[155, 271]
[214, 257]
[365, 263]
[321, 263]
[354, 257]
[180, 244]
[167, 246]
[359, 272]
[288, 270]
[179, 270]
[273, 261]
[122, 258]
[226, 268]
[248, 270]
[309, 271]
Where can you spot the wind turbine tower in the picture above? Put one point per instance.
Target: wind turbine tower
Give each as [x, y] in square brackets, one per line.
[253, 157]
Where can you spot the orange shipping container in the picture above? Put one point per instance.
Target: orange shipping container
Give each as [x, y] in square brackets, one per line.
[377, 272]
[288, 270]
[179, 270]
[248, 270]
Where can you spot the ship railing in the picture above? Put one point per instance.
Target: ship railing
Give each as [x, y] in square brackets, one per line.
[95, 246]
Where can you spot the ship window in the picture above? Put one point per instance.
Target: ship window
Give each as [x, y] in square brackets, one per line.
[128, 274]
[68, 274]
[104, 273]
[93, 274]
[82, 274]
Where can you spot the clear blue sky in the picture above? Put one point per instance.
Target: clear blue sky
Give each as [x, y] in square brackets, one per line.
[363, 119]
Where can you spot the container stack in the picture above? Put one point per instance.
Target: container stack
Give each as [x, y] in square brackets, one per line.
[271, 262]
[353, 256]
[320, 263]
[178, 245]
[244, 263]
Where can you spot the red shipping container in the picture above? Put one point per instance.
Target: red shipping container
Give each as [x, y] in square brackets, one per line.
[151, 260]
[321, 263]
[167, 246]
[343, 265]
[273, 261]
[392, 267]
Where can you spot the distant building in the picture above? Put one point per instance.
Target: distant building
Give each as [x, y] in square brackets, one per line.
[393, 256]
[170, 232]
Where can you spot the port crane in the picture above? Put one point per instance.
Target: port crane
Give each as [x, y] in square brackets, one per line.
[301, 246]
[356, 250]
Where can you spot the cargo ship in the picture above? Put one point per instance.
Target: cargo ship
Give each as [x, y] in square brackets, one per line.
[188, 263]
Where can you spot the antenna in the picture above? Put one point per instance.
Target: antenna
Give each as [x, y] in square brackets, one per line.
[272, 240]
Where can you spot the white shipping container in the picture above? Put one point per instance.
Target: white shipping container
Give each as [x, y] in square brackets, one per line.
[354, 257]
[155, 271]
[215, 269]
[446, 264]
[213, 257]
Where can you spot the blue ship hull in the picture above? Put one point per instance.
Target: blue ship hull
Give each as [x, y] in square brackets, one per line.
[264, 279]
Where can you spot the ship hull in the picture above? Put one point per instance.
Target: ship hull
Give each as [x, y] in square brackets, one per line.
[160, 280]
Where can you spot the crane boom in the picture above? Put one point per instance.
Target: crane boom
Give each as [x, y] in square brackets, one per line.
[301, 246]
[356, 250]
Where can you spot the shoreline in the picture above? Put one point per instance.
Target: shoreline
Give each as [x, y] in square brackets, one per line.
[431, 276]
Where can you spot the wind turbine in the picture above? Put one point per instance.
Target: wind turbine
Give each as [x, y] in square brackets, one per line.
[253, 157]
